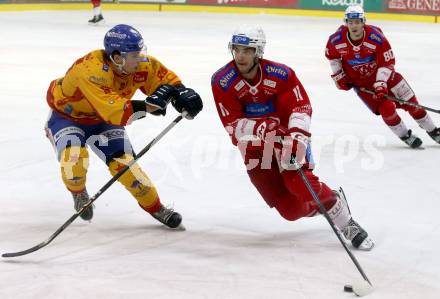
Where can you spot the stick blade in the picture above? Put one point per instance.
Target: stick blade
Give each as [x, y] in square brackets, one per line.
[362, 289]
[24, 252]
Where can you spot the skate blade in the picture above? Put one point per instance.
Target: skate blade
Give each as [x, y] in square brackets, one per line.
[366, 245]
[362, 289]
[181, 227]
[102, 22]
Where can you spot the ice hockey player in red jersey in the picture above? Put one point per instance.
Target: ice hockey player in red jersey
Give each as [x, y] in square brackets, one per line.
[267, 113]
[361, 57]
[97, 13]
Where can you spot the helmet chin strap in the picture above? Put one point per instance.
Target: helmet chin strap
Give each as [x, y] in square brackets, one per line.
[119, 66]
[256, 60]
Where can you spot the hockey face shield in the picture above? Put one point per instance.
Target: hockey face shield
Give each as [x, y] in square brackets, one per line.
[128, 62]
[131, 60]
[124, 45]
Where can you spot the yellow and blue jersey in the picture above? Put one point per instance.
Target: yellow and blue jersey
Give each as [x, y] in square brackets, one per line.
[91, 92]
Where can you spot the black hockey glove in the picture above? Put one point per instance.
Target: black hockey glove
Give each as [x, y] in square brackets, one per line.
[188, 100]
[161, 97]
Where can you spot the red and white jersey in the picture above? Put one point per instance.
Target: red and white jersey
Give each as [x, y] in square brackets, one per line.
[365, 62]
[275, 92]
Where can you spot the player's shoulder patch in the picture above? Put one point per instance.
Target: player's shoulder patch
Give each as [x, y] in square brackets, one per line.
[336, 37]
[225, 76]
[375, 35]
[277, 70]
[376, 28]
[97, 65]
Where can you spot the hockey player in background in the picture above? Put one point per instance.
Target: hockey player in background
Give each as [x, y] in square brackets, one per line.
[361, 57]
[267, 113]
[97, 13]
[91, 104]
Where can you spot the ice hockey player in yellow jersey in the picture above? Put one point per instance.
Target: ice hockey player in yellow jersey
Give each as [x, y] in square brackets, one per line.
[92, 103]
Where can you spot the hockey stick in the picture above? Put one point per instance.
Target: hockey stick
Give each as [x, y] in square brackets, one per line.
[330, 221]
[102, 190]
[400, 101]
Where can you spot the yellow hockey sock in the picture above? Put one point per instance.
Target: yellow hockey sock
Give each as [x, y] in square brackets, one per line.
[136, 182]
[74, 163]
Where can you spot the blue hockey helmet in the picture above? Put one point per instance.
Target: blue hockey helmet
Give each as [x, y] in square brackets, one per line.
[124, 39]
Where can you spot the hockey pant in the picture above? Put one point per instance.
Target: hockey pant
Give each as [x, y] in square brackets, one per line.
[399, 88]
[286, 191]
[96, 3]
[71, 141]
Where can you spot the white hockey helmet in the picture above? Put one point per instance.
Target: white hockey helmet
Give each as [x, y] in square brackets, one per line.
[354, 12]
[249, 36]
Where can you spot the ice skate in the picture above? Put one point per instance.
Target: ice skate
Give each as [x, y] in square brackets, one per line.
[169, 218]
[412, 140]
[352, 231]
[80, 199]
[96, 20]
[435, 135]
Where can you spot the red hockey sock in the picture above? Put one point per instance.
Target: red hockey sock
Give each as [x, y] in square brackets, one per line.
[389, 114]
[416, 113]
[154, 208]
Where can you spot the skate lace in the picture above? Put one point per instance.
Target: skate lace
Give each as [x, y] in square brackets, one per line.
[435, 134]
[351, 230]
[410, 138]
[163, 214]
[81, 199]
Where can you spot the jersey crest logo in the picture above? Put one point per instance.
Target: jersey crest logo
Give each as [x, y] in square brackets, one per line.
[276, 71]
[105, 67]
[227, 79]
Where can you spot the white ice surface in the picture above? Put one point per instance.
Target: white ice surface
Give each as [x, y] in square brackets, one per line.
[234, 246]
